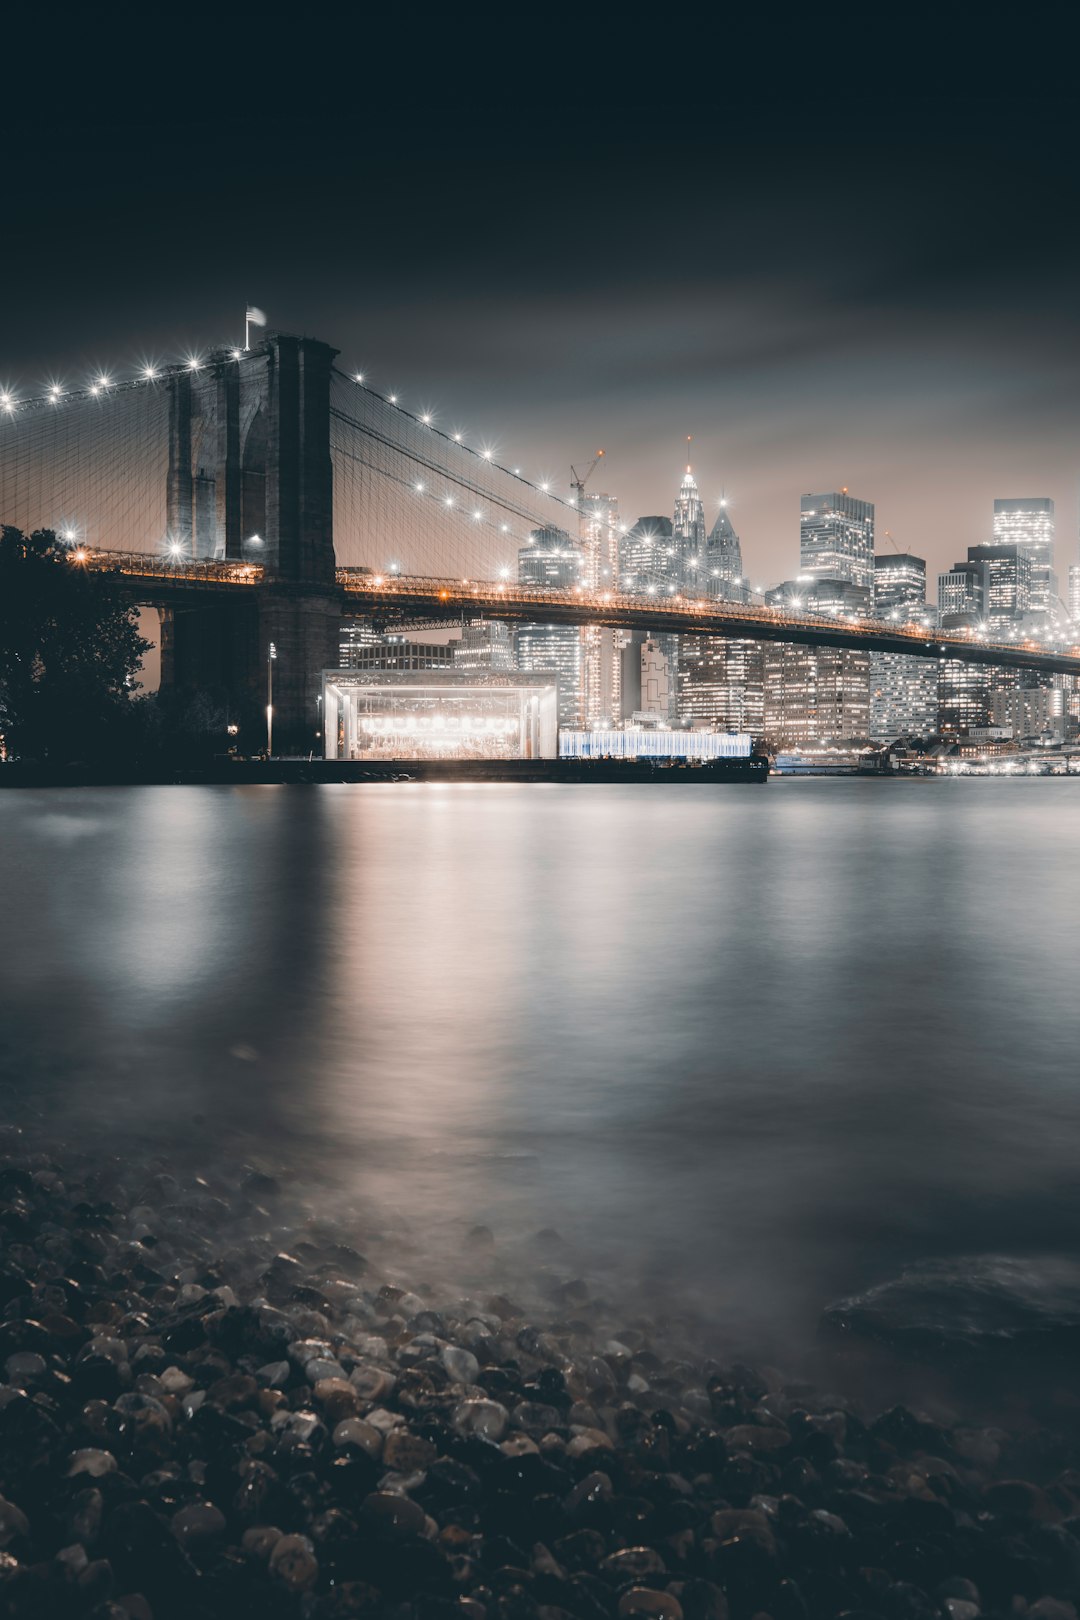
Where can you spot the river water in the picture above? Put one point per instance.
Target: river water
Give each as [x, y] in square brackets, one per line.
[747, 1049]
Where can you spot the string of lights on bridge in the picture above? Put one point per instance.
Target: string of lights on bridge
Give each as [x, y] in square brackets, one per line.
[104, 384]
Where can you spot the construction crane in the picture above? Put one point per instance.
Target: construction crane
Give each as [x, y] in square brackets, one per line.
[579, 480]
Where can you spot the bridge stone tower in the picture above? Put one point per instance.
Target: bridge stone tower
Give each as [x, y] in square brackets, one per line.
[250, 479]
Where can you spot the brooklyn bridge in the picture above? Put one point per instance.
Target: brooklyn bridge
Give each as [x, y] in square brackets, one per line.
[258, 497]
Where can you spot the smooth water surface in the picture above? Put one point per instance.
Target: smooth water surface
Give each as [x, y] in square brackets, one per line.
[754, 1047]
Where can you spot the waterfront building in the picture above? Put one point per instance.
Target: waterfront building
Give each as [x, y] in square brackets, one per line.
[485, 644]
[1029, 523]
[836, 538]
[899, 585]
[438, 714]
[1028, 711]
[722, 569]
[1074, 592]
[903, 697]
[815, 694]
[721, 683]
[903, 690]
[1007, 581]
[966, 694]
[551, 559]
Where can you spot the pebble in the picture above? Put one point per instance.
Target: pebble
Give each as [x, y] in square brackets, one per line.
[92, 1462]
[462, 1365]
[197, 1523]
[486, 1419]
[192, 1422]
[293, 1562]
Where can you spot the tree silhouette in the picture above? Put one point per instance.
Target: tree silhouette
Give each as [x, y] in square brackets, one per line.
[69, 652]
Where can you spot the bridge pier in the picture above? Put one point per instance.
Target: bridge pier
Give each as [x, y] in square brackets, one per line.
[305, 628]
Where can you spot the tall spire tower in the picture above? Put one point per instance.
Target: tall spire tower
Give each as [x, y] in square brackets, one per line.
[689, 524]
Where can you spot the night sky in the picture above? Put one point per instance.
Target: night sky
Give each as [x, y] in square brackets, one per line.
[823, 278]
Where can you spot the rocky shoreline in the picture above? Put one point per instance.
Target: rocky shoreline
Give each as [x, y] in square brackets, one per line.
[218, 1403]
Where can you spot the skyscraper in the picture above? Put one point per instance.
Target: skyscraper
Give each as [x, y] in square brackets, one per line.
[899, 585]
[1028, 522]
[599, 534]
[962, 591]
[688, 528]
[836, 538]
[723, 564]
[721, 683]
[551, 559]
[815, 694]
[554, 649]
[903, 690]
[647, 563]
[1008, 577]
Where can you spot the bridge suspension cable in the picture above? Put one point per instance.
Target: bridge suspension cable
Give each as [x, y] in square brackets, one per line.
[409, 497]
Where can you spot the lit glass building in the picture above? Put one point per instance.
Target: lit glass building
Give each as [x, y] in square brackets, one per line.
[723, 565]
[438, 715]
[837, 597]
[1029, 524]
[363, 647]
[966, 695]
[688, 529]
[599, 534]
[721, 683]
[962, 592]
[815, 694]
[1007, 581]
[647, 558]
[836, 538]
[485, 644]
[899, 585]
[551, 559]
[903, 697]
[554, 650]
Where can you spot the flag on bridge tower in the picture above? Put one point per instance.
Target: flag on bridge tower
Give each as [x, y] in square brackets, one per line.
[253, 317]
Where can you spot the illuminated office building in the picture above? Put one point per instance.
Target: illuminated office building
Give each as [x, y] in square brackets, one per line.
[722, 570]
[899, 585]
[365, 648]
[647, 558]
[688, 529]
[836, 538]
[555, 650]
[1029, 524]
[815, 694]
[966, 695]
[486, 644]
[551, 559]
[1007, 581]
[721, 683]
[599, 540]
[962, 593]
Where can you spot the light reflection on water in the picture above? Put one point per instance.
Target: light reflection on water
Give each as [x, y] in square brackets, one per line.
[763, 1044]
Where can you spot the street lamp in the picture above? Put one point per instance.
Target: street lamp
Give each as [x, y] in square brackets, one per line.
[271, 655]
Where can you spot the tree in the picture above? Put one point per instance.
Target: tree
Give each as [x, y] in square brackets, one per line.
[70, 649]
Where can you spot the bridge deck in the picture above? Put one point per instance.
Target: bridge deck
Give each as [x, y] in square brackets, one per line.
[394, 597]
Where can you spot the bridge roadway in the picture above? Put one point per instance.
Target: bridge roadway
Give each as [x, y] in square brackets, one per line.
[400, 599]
